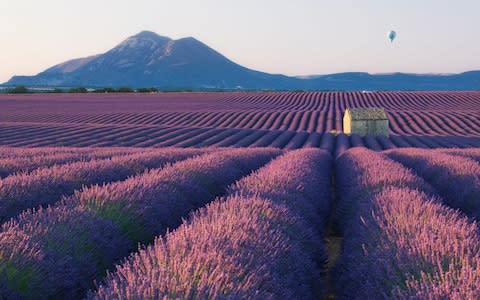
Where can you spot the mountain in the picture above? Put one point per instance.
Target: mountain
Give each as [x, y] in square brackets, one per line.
[147, 59]
[397, 81]
[151, 60]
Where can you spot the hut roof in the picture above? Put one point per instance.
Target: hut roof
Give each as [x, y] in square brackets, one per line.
[370, 113]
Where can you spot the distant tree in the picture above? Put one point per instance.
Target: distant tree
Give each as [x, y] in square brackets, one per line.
[147, 90]
[125, 89]
[19, 90]
[77, 90]
[58, 91]
[104, 90]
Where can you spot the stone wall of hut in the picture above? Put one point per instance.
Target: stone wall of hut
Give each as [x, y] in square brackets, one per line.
[364, 127]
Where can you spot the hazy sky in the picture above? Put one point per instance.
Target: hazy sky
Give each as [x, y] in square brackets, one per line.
[279, 36]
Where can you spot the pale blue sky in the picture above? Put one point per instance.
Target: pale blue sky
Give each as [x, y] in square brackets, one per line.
[278, 36]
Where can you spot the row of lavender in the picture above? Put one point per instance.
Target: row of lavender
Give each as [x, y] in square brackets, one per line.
[15, 152]
[99, 105]
[455, 174]
[401, 122]
[22, 160]
[326, 101]
[343, 142]
[44, 186]
[448, 123]
[400, 239]
[264, 241]
[59, 251]
[35, 135]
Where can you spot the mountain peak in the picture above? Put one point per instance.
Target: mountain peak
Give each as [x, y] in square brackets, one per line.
[148, 35]
[144, 39]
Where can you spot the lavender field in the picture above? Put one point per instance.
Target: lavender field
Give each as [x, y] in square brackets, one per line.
[238, 196]
[288, 120]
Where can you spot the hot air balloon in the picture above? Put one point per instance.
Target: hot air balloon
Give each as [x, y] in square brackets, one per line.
[391, 35]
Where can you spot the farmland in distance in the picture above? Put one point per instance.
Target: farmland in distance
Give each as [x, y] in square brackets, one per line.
[288, 120]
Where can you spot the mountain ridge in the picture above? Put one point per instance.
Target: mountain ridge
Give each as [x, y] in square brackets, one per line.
[151, 60]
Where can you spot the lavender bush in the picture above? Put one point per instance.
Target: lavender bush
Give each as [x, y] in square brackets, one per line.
[244, 248]
[400, 242]
[24, 161]
[13, 165]
[456, 178]
[146, 206]
[259, 243]
[341, 144]
[54, 252]
[472, 153]
[47, 185]
[301, 178]
[58, 252]
[15, 152]
[406, 245]
[327, 142]
[362, 172]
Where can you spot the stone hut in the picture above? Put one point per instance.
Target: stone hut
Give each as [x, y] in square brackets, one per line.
[363, 121]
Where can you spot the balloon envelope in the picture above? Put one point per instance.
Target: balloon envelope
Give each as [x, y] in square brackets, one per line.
[391, 35]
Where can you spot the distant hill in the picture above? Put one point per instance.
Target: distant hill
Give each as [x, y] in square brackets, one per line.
[397, 81]
[151, 60]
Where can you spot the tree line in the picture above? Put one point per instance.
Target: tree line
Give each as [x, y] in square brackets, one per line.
[24, 90]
